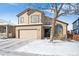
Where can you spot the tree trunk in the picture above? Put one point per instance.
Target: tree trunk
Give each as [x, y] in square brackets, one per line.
[57, 14]
[52, 35]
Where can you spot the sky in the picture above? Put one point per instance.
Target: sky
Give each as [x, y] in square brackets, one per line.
[66, 1]
[8, 12]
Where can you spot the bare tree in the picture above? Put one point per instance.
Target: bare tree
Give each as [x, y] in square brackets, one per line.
[59, 10]
[56, 10]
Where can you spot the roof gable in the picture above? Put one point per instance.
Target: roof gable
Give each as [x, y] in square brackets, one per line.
[62, 22]
[29, 11]
[56, 20]
[75, 21]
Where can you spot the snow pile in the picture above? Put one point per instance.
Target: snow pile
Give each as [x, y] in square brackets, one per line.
[44, 47]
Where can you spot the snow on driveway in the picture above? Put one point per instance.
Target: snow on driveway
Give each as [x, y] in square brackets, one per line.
[44, 47]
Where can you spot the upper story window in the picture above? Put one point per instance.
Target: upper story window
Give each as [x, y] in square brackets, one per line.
[75, 25]
[35, 18]
[21, 19]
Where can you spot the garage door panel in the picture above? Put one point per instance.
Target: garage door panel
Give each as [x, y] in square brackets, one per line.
[28, 34]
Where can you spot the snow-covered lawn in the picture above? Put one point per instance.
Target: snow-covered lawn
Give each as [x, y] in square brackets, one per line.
[44, 47]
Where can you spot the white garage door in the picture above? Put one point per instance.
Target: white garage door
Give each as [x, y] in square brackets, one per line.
[28, 34]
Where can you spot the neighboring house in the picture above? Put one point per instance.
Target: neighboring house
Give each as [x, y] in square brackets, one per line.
[76, 27]
[33, 24]
[6, 30]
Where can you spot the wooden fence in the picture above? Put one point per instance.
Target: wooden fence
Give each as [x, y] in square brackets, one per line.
[70, 36]
[76, 37]
[73, 36]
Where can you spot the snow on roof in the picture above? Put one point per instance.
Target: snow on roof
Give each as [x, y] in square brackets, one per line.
[4, 22]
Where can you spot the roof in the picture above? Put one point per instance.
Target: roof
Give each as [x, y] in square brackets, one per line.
[28, 25]
[48, 17]
[62, 22]
[75, 20]
[57, 20]
[3, 22]
[29, 10]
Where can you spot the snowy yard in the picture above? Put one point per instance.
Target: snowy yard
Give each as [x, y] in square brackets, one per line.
[38, 47]
[44, 47]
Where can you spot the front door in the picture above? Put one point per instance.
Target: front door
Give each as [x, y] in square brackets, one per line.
[47, 33]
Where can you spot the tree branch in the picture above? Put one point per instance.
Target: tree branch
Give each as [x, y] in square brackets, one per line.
[60, 15]
[60, 8]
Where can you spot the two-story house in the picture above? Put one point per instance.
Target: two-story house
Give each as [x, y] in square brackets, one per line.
[33, 24]
[76, 27]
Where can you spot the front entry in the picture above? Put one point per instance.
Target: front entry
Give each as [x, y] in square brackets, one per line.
[47, 32]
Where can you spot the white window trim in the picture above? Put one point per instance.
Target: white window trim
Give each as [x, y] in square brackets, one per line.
[21, 19]
[37, 21]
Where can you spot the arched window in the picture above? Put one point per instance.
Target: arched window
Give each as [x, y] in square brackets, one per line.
[58, 29]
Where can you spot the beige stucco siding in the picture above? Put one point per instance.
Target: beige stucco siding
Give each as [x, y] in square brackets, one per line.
[64, 27]
[36, 27]
[25, 18]
[46, 20]
[38, 14]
